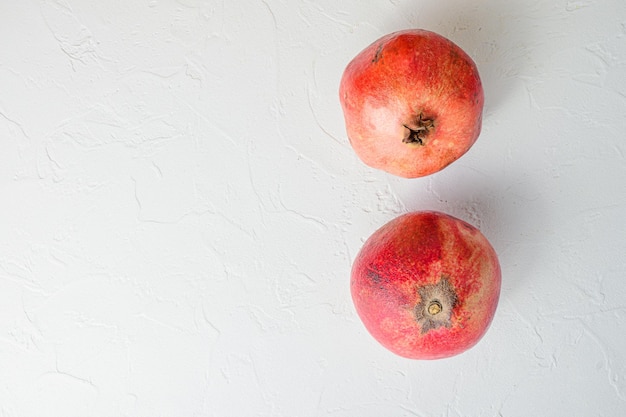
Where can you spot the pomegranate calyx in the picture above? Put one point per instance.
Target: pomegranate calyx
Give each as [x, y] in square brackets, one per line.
[436, 303]
[419, 130]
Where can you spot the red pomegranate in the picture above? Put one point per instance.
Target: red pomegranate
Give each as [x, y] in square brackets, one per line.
[412, 103]
[426, 285]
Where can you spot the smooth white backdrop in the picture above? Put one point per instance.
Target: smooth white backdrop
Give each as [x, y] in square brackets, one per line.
[180, 208]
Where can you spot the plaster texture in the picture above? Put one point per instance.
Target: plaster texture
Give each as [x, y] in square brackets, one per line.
[180, 208]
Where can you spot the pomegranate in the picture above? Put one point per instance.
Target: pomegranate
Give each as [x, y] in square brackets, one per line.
[412, 103]
[426, 285]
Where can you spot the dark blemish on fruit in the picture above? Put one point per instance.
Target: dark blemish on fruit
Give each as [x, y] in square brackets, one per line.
[456, 58]
[374, 276]
[379, 281]
[378, 53]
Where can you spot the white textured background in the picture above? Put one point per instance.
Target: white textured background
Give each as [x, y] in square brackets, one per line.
[179, 210]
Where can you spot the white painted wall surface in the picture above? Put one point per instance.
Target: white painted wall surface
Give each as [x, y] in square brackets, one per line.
[180, 208]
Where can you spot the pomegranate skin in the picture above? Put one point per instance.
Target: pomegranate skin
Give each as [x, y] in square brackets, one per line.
[412, 103]
[426, 285]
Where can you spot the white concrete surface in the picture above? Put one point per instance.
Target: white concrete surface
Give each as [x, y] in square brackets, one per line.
[179, 210]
